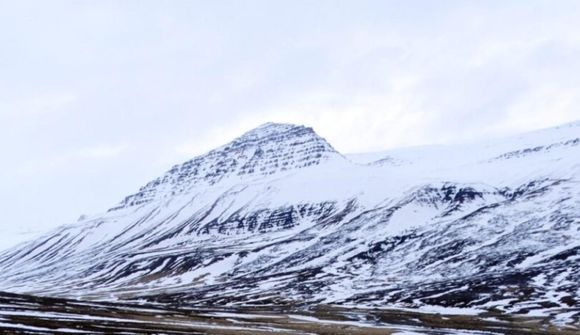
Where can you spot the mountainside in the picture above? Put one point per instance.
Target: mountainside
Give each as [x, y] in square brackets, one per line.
[278, 216]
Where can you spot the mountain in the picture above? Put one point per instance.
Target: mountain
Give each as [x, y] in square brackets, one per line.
[278, 216]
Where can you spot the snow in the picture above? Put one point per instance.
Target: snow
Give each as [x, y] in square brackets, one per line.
[279, 205]
[334, 322]
[32, 328]
[242, 316]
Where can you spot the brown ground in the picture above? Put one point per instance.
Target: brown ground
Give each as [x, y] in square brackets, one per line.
[35, 315]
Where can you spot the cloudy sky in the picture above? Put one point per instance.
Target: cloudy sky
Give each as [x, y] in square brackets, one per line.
[98, 97]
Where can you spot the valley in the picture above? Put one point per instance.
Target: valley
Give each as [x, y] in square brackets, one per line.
[21, 314]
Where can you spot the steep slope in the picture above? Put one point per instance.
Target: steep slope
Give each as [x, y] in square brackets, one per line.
[266, 150]
[278, 216]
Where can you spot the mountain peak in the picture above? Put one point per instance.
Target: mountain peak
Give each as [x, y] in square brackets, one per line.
[272, 127]
[272, 130]
[266, 150]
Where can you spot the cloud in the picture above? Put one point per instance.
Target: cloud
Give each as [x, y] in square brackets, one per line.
[103, 151]
[36, 105]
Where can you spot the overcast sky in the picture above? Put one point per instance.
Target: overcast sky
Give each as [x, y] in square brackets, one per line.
[98, 97]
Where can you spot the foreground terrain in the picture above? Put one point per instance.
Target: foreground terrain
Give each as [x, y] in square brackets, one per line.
[21, 314]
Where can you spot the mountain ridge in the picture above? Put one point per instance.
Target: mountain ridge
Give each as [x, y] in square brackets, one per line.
[445, 227]
[264, 150]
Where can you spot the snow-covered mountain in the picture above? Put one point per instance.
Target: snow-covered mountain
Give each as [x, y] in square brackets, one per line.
[278, 216]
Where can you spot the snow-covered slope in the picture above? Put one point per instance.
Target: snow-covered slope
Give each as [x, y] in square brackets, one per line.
[278, 216]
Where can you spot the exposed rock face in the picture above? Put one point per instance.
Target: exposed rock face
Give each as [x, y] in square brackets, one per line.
[278, 216]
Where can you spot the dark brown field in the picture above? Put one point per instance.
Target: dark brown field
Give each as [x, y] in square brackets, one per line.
[20, 314]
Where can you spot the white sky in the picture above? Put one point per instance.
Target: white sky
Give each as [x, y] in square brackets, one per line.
[98, 97]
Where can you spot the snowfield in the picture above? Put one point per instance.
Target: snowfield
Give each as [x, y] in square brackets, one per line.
[278, 217]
